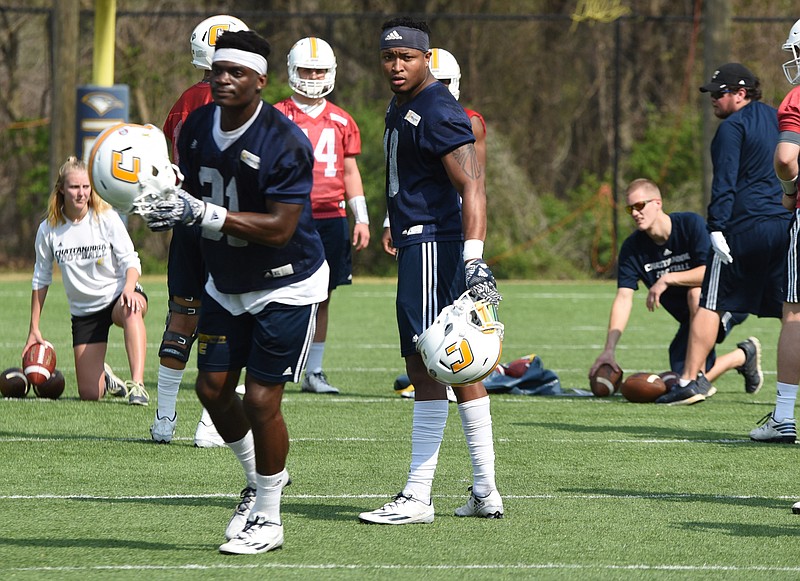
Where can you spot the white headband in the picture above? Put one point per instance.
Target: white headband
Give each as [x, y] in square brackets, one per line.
[250, 60]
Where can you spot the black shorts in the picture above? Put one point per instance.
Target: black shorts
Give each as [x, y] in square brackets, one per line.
[94, 328]
[335, 234]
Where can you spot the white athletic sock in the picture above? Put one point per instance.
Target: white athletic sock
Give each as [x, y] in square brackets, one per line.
[427, 431]
[784, 402]
[476, 421]
[315, 354]
[268, 496]
[245, 451]
[169, 382]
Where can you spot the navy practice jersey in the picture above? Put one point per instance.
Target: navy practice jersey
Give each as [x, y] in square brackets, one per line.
[642, 259]
[745, 188]
[423, 204]
[271, 161]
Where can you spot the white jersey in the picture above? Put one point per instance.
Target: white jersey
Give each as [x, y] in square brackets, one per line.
[93, 255]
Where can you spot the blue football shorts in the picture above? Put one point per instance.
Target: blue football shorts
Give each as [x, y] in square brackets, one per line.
[335, 234]
[273, 345]
[430, 276]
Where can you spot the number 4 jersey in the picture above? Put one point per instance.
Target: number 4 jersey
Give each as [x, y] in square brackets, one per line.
[333, 135]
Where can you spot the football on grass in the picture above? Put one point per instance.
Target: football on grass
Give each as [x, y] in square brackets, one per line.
[605, 381]
[52, 388]
[39, 362]
[13, 383]
[643, 387]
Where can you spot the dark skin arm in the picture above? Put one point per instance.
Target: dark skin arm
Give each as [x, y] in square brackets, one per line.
[275, 228]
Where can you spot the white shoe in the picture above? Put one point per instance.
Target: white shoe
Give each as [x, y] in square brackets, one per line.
[489, 506]
[403, 510]
[258, 536]
[137, 394]
[796, 508]
[163, 429]
[114, 385]
[317, 383]
[783, 432]
[239, 518]
[206, 434]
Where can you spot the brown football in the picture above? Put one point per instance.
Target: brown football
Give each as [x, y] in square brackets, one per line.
[52, 388]
[643, 387]
[605, 381]
[13, 383]
[39, 362]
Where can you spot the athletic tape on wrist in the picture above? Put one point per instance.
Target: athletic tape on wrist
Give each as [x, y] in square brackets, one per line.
[473, 249]
[359, 207]
[789, 187]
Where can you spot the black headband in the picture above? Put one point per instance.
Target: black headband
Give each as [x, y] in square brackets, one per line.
[405, 37]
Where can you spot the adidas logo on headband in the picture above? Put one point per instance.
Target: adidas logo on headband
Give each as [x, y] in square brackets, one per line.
[393, 35]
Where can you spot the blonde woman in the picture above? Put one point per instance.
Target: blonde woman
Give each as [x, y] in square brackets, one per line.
[100, 271]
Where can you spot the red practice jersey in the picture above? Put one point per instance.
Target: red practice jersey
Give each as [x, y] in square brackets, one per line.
[789, 115]
[470, 113]
[333, 135]
[195, 96]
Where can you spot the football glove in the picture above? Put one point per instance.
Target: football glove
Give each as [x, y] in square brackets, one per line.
[721, 248]
[480, 282]
[180, 208]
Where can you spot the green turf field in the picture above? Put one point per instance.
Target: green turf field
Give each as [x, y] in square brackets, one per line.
[593, 488]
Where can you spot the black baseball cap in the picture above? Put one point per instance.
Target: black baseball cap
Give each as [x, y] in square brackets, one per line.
[730, 76]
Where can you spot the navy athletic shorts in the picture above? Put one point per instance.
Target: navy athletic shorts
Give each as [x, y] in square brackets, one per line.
[430, 276]
[335, 234]
[186, 269]
[273, 345]
[94, 328]
[754, 281]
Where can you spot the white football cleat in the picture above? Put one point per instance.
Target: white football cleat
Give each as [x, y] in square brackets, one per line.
[489, 506]
[796, 508]
[317, 383]
[163, 429]
[242, 512]
[403, 510]
[206, 434]
[258, 536]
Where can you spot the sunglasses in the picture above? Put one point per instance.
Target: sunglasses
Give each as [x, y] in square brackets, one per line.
[716, 95]
[638, 206]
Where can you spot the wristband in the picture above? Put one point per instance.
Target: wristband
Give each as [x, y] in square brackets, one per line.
[359, 206]
[789, 187]
[473, 249]
[213, 217]
[386, 221]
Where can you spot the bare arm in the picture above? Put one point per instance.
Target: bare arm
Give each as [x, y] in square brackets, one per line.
[353, 188]
[618, 320]
[466, 174]
[37, 305]
[275, 228]
[690, 278]
[786, 168]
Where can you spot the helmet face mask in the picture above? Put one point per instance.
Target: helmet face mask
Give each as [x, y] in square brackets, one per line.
[311, 53]
[444, 67]
[791, 68]
[204, 38]
[123, 155]
[464, 343]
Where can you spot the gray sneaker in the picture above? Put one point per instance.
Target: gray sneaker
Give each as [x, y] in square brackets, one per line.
[114, 385]
[317, 383]
[770, 431]
[678, 395]
[137, 394]
[751, 368]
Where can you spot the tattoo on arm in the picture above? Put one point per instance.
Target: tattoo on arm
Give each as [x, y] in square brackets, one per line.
[467, 158]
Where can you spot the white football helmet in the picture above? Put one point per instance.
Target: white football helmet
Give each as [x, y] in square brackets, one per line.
[311, 53]
[204, 37]
[129, 166]
[791, 68]
[444, 67]
[464, 343]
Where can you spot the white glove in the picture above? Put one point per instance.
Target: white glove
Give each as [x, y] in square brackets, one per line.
[480, 282]
[153, 189]
[721, 248]
[181, 208]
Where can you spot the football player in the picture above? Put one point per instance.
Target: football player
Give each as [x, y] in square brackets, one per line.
[437, 218]
[336, 141]
[780, 425]
[248, 178]
[185, 269]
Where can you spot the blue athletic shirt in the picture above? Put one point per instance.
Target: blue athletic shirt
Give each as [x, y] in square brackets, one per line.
[272, 160]
[642, 259]
[745, 189]
[423, 204]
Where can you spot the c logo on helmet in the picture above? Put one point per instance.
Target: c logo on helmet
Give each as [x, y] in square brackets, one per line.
[215, 31]
[465, 355]
[118, 171]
